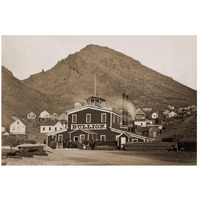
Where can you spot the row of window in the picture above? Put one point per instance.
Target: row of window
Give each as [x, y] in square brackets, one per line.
[82, 138]
[18, 128]
[118, 120]
[88, 118]
[50, 128]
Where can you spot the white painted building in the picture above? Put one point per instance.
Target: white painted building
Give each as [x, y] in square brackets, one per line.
[171, 107]
[154, 115]
[51, 127]
[31, 115]
[44, 115]
[6, 133]
[3, 129]
[166, 112]
[172, 114]
[17, 127]
[142, 122]
[139, 114]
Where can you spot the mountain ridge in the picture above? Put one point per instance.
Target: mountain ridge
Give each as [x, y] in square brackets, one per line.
[72, 79]
[113, 69]
[18, 99]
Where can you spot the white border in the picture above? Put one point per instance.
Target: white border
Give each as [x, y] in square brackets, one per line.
[105, 17]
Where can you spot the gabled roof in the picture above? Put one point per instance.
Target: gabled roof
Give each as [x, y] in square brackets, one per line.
[131, 135]
[154, 113]
[86, 131]
[93, 108]
[31, 113]
[21, 120]
[6, 133]
[57, 132]
[44, 111]
[138, 110]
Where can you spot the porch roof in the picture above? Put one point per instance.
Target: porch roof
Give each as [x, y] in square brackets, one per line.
[85, 131]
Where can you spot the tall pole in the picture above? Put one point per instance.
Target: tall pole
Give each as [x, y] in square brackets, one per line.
[95, 86]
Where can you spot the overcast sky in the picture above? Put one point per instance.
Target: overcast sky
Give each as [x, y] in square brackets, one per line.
[174, 56]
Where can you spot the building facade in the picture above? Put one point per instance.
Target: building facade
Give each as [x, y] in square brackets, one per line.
[49, 127]
[92, 122]
[31, 115]
[17, 127]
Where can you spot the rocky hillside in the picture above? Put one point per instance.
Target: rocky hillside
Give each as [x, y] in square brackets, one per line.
[18, 99]
[72, 79]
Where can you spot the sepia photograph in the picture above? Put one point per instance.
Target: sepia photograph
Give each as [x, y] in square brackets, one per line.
[99, 100]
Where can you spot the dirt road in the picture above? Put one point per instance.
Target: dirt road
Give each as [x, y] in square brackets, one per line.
[87, 157]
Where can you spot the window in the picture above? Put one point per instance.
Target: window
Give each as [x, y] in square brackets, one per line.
[74, 118]
[49, 128]
[113, 118]
[75, 138]
[134, 140]
[82, 138]
[116, 137]
[102, 138]
[55, 128]
[17, 122]
[43, 129]
[103, 117]
[88, 118]
[60, 138]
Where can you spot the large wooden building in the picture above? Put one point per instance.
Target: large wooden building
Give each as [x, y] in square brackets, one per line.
[93, 121]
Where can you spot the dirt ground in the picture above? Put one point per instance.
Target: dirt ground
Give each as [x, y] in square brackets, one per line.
[99, 157]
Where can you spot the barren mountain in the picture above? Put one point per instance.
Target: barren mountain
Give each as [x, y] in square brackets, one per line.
[18, 99]
[72, 79]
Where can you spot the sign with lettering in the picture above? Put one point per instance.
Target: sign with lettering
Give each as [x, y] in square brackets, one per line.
[88, 126]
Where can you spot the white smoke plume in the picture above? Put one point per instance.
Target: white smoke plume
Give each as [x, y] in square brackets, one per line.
[119, 104]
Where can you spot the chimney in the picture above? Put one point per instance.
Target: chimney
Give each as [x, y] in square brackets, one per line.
[124, 110]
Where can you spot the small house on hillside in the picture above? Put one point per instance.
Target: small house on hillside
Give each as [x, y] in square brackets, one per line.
[3, 129]
[139, 114]
[153, 131]
[62, 117]
[17, 127]
[147, 109]
[54, 116]
[51, 126]
[140, 122]
[44, 115]
[172, 114]
[166, 112]
[31, 115]
[171, 107]
[154, 115]
[193, 107]
[6, 134]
